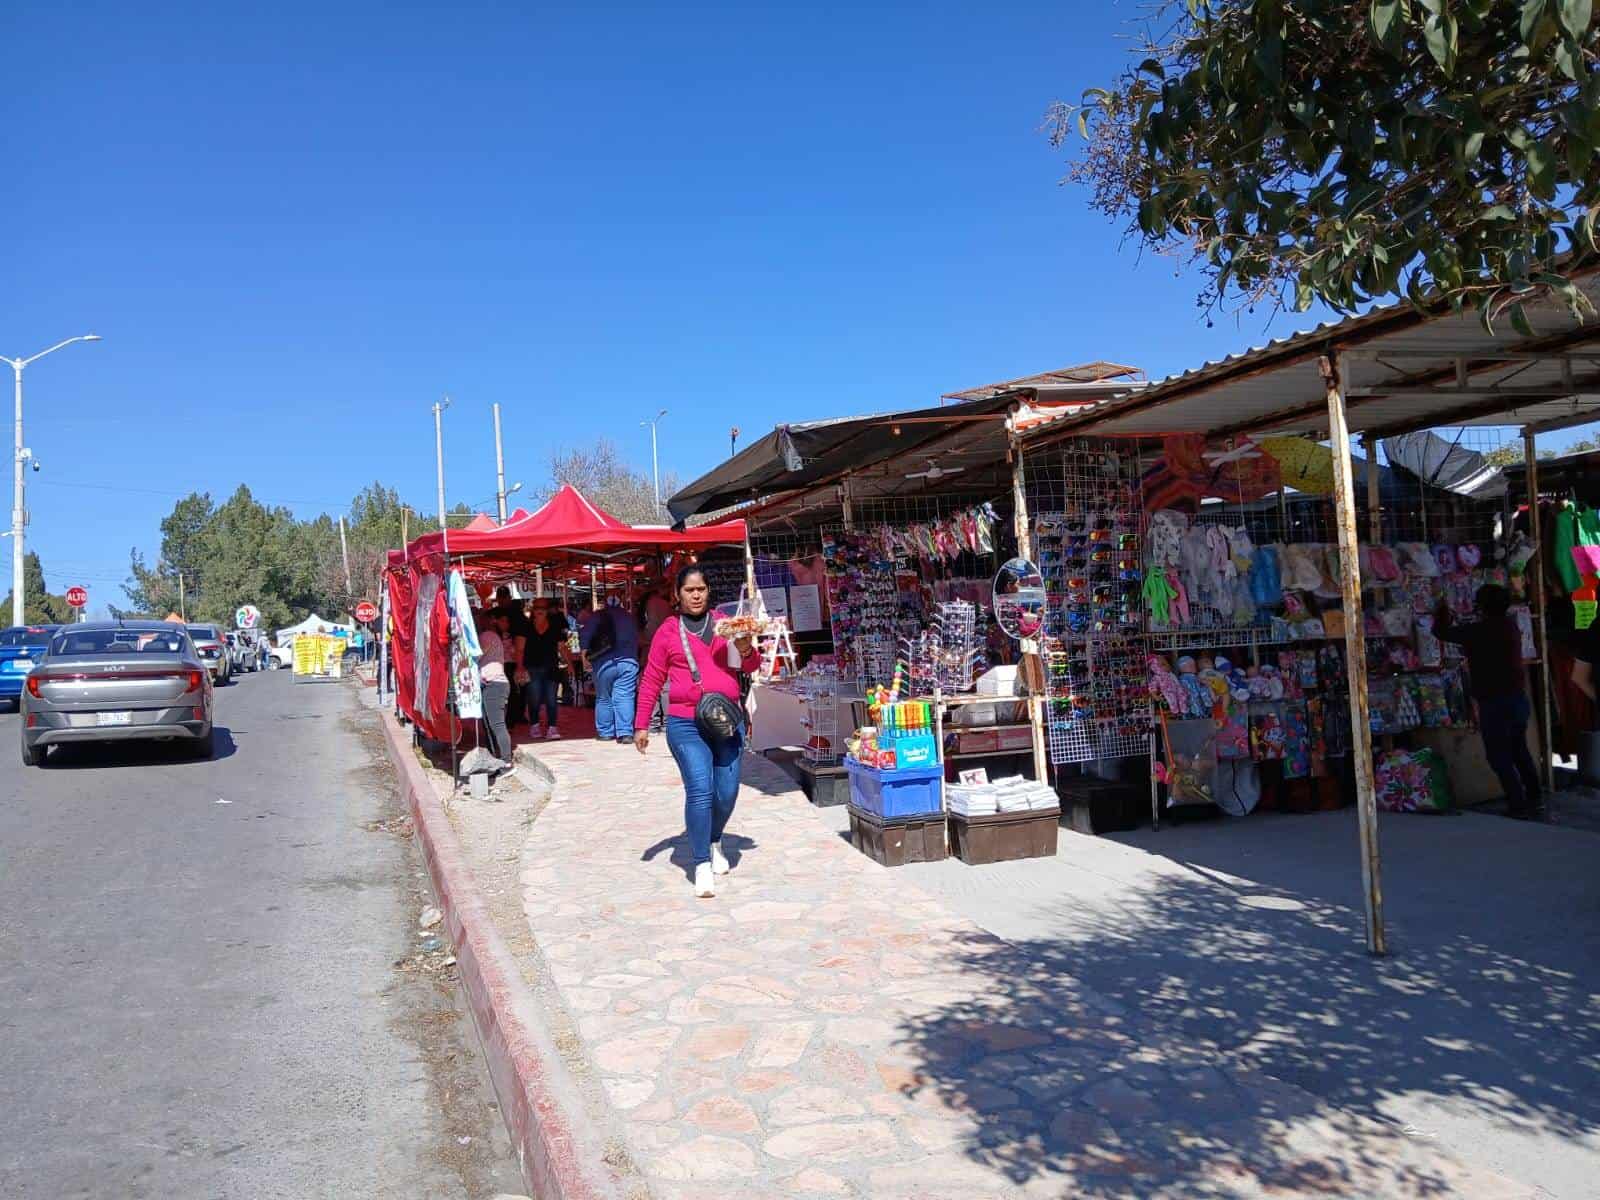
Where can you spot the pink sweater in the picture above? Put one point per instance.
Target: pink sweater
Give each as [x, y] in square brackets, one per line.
[667, 664]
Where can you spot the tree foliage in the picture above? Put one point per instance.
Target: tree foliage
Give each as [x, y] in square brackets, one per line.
[39, 605]
[1349, 150]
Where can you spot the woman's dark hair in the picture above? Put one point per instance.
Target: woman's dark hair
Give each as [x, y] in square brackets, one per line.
[1493, 600]
[684, 572]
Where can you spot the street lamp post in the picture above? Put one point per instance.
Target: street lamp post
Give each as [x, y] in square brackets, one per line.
[438, 451]
[655, 464]
[20, 458]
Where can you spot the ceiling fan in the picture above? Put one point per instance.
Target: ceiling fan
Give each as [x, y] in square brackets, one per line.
[934, 471]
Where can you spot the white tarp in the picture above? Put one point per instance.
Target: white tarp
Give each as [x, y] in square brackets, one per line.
[1442, 463]
[312, 624]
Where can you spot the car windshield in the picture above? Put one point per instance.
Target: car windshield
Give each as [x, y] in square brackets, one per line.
[118, 641]
[25, 637]
[203, 633]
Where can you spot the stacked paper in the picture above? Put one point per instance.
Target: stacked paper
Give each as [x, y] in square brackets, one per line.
[1016, 794]
[970, 800]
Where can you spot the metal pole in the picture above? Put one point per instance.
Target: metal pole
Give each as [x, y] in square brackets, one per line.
[183, 608]
[383, 642]
[344, 551]
[1547, 770]
[655, 468]
[499, 466]
[438, 452]
[1355, 644]
[19, 514]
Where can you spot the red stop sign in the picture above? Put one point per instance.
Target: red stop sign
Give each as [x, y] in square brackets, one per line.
[78, 597]
[366, 611]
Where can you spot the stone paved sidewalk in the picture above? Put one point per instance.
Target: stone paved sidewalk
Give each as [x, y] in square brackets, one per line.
[824, 1028]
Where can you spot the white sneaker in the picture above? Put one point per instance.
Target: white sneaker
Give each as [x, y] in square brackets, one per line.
[719, 865]
[554, 735]
[705, 884]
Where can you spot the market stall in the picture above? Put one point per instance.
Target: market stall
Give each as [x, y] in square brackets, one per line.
[1288, 614]
[432, 582]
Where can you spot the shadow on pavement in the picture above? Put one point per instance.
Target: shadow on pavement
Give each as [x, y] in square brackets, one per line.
[139, 754]
[1120, 1025]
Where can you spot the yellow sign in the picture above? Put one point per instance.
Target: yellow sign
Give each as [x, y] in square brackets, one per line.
[317, 654]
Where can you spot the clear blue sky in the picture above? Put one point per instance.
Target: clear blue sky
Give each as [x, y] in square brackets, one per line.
[296, 226]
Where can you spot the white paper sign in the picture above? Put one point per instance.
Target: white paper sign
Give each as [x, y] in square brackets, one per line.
[805, 606]
[776, 600]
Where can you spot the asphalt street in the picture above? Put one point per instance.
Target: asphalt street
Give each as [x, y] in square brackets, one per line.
[200, 994]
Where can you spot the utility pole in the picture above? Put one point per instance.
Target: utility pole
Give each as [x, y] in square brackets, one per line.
[183, 606]
[733, 441]
[344, 550]
[499, 466]
[655, 464]
[438, 451]
[21, 457]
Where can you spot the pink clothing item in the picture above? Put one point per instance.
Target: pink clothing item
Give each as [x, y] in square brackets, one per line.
[667, 665]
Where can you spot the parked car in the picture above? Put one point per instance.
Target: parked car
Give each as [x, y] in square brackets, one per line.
[244, 652]
[282, 658]
[20, 647]
[117, 681]
[213, 651]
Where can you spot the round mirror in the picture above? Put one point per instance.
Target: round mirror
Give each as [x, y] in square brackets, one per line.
[1019, 599]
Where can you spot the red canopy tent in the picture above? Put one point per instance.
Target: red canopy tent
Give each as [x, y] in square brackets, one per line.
[563, 528]
[566, 531]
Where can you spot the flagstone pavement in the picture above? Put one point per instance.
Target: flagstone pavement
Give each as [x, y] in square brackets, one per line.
[824, 1028]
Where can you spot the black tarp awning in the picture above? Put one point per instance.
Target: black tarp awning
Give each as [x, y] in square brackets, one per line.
[801, 455]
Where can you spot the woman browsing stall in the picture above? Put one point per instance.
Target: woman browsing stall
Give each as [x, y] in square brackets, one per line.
[705, 728]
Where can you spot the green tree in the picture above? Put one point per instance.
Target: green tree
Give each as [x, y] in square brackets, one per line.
[1347, 150]
[152, 588]
[39, 605]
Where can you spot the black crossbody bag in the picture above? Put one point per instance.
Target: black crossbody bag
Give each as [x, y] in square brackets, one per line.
[717, 718]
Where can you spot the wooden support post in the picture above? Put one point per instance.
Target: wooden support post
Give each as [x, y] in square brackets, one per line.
[749, 570]
[1023, 524]
[1369, 444]
[1355, 643]
[1541, 619]
[846, 504]
[1019, 496]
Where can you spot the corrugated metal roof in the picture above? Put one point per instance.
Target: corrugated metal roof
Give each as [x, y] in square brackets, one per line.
[1094, 372]
[1278, 386]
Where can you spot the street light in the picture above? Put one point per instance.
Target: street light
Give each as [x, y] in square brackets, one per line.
[655, 466]
[21, 456]
[438, 451]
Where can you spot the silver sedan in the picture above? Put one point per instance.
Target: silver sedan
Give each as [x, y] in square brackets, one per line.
[114, 682]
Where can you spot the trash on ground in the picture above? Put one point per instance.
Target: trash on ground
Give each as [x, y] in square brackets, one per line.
[430, 917]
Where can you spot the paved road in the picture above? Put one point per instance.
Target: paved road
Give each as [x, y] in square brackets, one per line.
[199, 999]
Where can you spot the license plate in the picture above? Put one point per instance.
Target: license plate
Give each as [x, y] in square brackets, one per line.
[113, 718]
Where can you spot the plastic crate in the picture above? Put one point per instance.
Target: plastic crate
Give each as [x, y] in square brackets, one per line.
[899, 841]
[1004, 837]
[903, 792]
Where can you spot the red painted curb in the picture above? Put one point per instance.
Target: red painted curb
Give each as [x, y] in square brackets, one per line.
[562, 1155]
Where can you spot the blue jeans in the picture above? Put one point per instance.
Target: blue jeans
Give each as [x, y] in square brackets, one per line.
[1503, 722]
[616, 690]
[540, 692]
[710, 783]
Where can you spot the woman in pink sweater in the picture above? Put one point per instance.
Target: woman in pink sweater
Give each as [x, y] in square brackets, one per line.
[710, 770]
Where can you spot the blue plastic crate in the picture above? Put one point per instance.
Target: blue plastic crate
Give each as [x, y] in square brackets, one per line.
[903, 792]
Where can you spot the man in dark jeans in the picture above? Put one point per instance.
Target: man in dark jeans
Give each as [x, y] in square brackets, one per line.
[1493, 647]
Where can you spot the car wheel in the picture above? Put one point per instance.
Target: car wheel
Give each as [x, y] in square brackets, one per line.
[33, 756]
[203, 748]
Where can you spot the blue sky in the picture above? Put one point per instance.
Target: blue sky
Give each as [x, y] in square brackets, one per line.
[297, 226]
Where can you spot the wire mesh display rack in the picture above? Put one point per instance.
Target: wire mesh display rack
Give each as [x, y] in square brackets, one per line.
[1086, 497]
